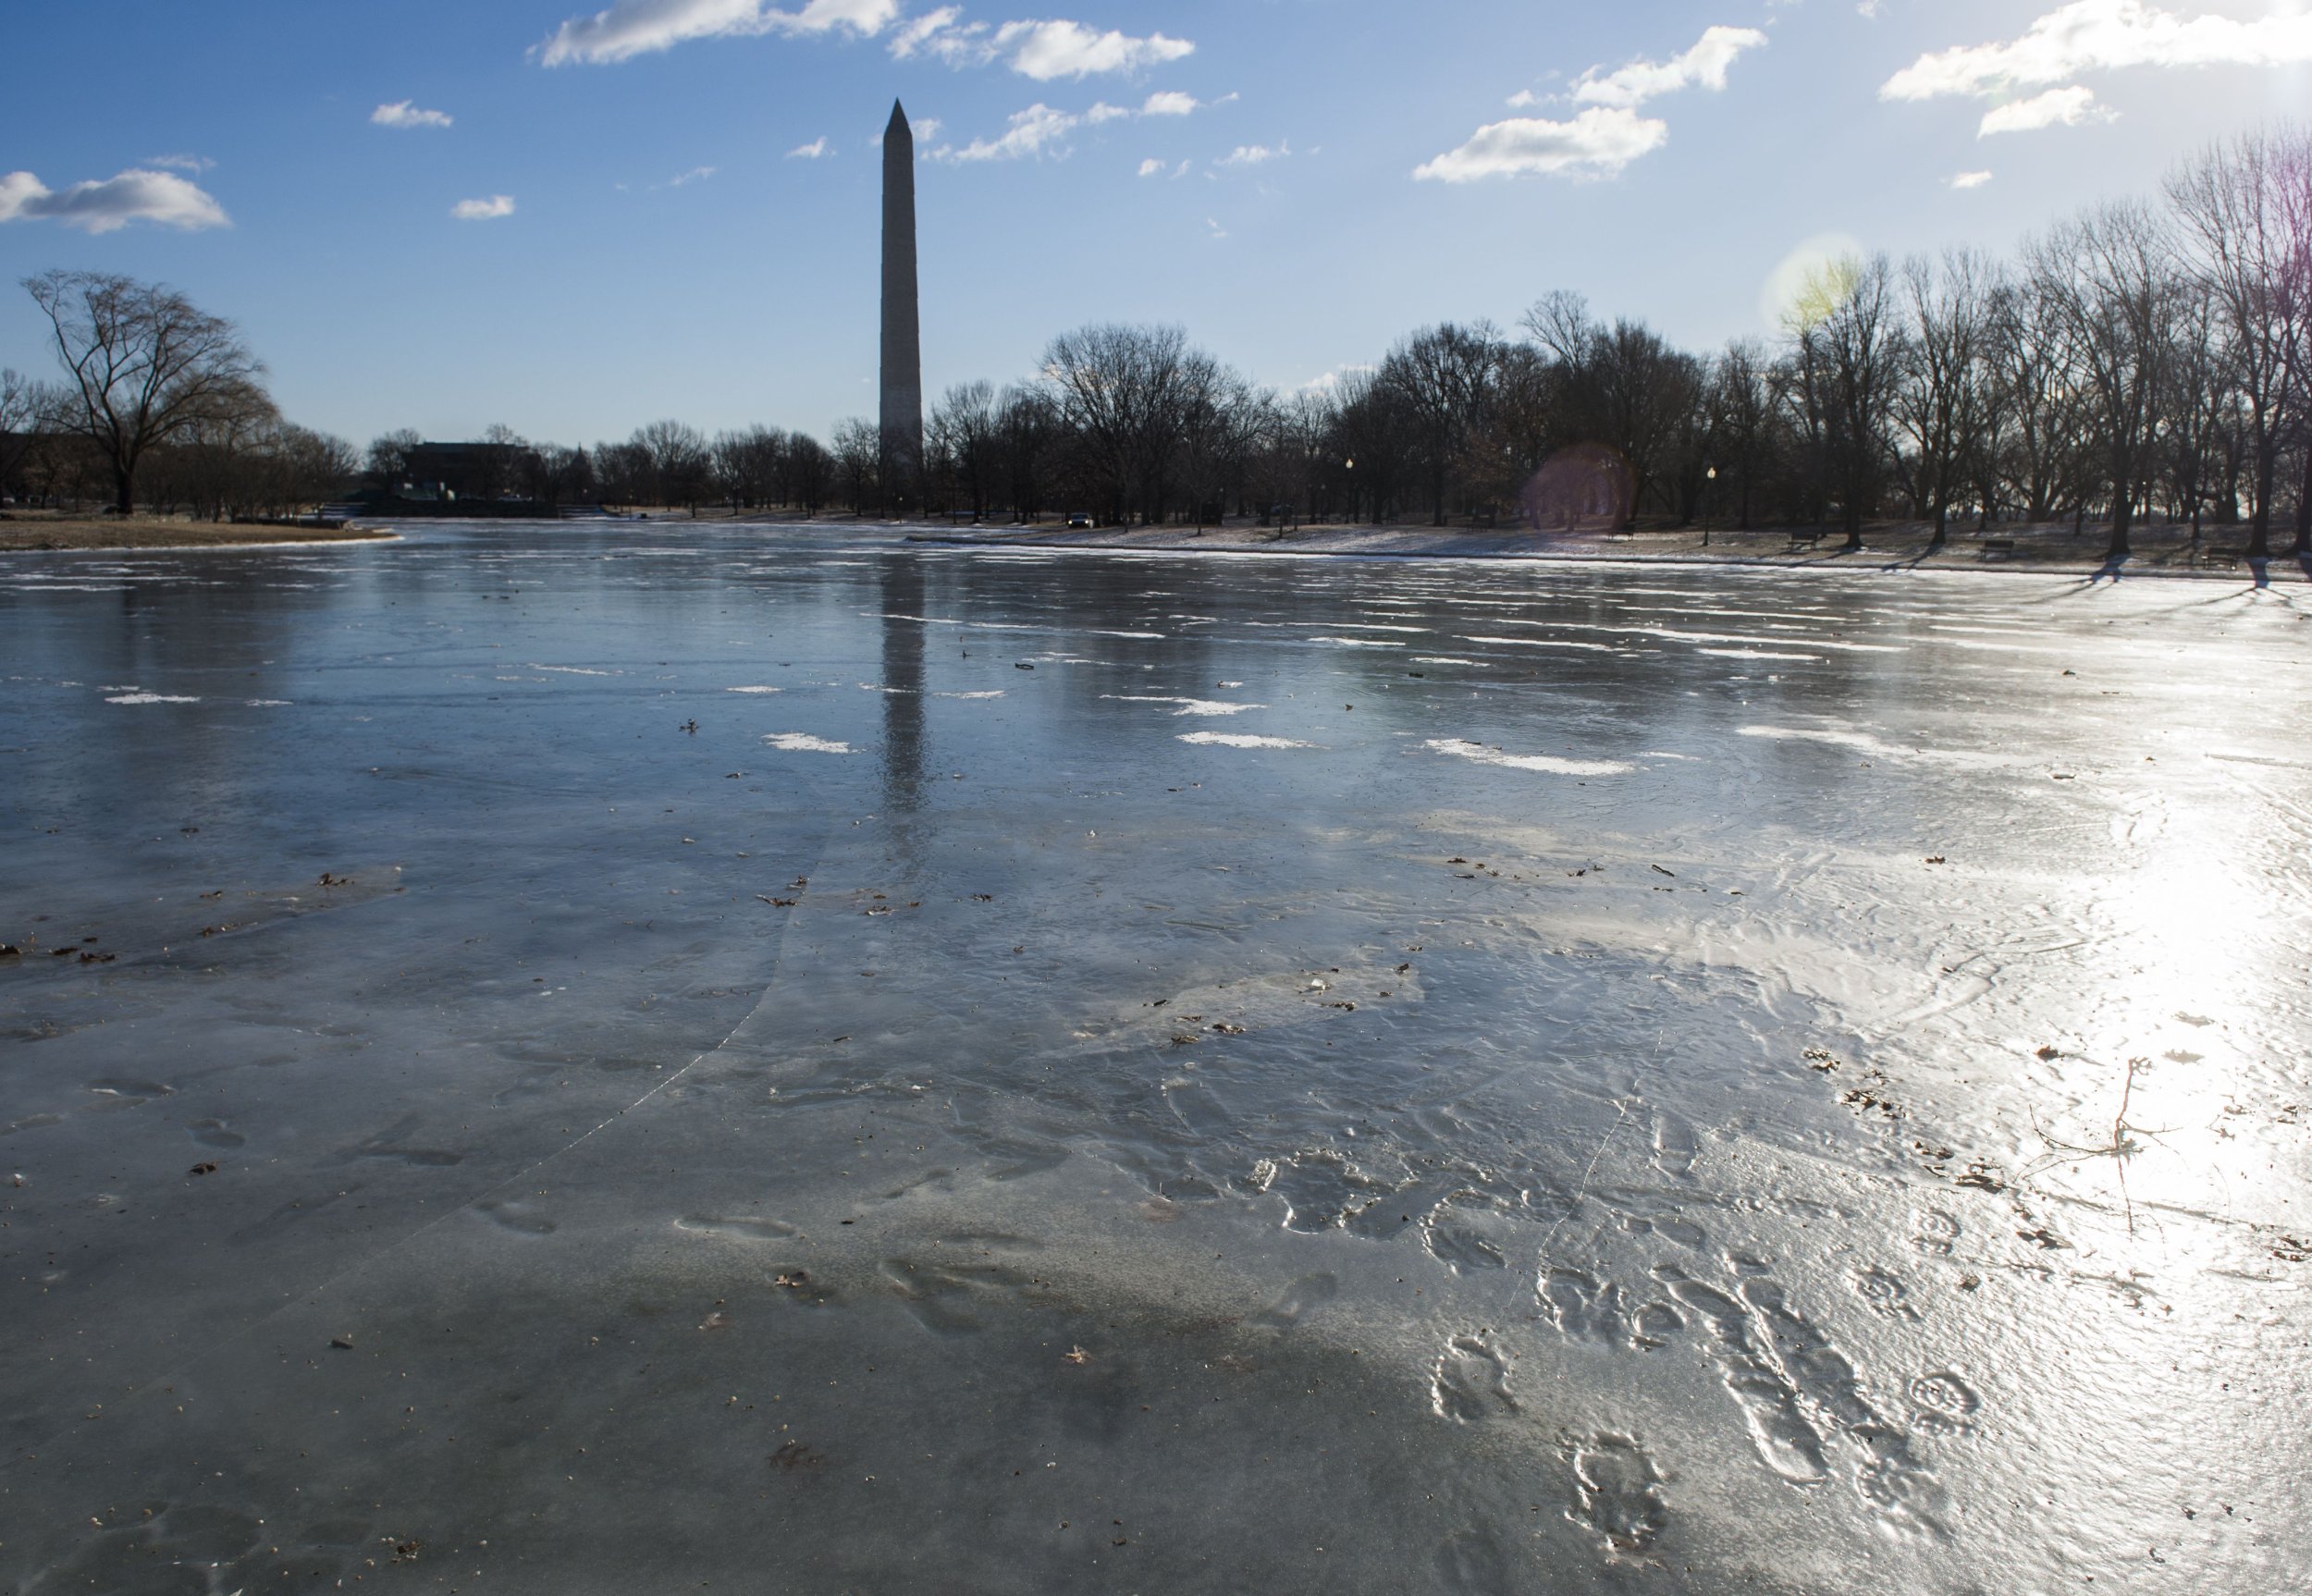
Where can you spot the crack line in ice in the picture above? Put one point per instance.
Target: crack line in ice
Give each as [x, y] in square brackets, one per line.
[1547, 642]
[569, 670]
[1544, 762]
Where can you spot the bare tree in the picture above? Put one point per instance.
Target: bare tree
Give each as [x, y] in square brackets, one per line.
[810, 468]
[1941, 403]
[1851, 341]
[1741, 407]
[965, 434]
[2111, 280]
[858, 460]
[388, 462]
[2248, 251]
[501, 457]
[1444, 375]
[143, 364]
[1624, 386]
[677, 462]
[1030, 430]
[21, 406]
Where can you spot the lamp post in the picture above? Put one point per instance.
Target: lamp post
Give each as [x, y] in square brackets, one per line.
[1709, 503]
[1350, 465]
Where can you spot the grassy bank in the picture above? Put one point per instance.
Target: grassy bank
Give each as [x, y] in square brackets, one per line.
[2158, 549]
[44, 530]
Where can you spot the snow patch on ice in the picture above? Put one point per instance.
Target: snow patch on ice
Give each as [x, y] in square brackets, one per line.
[1237, 739]
[752, 690]
[1544, 762]
[804, 742]
[1188, 705]
[150, 698]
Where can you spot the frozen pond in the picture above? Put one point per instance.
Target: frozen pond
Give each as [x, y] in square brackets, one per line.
[621, 1059]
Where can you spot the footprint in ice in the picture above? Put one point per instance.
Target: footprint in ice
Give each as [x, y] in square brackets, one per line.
[1581, 1307]
[1945, 1401]
[1450, 1234]
[1618, 1493]
[1471, 1381]
[942, 1298]
[517, 1217]
[1675, 1145]
[1785, 1441]
[1938, 1234]
[1888, 1296]
[1303, 1298]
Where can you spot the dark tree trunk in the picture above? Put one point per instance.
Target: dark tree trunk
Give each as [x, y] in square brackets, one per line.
[1942, 530]
[2122, 515]
[2304, 513]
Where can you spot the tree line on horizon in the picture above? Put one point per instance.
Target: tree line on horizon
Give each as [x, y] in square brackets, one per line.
[2147, 358]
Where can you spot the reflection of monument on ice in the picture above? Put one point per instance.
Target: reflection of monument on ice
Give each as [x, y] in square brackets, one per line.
[902, 417]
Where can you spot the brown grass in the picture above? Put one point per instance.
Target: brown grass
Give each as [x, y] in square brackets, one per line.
[32, 529]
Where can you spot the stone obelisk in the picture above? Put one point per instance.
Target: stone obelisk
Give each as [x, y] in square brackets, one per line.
[902, 337]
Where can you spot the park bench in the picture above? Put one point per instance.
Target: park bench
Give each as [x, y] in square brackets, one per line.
[2000, 546]
[1804, 540]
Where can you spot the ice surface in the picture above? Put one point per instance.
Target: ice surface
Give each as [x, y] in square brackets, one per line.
[532, 1119]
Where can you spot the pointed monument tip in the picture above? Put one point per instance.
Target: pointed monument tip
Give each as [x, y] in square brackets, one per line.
[899, 115]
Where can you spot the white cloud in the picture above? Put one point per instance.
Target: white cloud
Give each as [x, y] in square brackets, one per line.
[927, 31]
[1597, 143]
[1038, 130]
[2066, 108]
[1048, 50]
[183, 162]
[136, 195]
[1213, 227]
[1964, 181]
[1255, 154]
[488, 209]
[2096, 35]
[696, 174]
[1171, 103]
[405, 114]
[816, 150]
[1607, 133]
[632, 27]
[1706, 63]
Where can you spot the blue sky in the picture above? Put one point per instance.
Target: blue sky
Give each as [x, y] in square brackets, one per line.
[670, 207]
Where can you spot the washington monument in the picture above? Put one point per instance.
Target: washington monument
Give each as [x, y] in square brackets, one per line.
[903, 339]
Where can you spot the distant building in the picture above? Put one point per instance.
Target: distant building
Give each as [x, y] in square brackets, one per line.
[455, 471]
